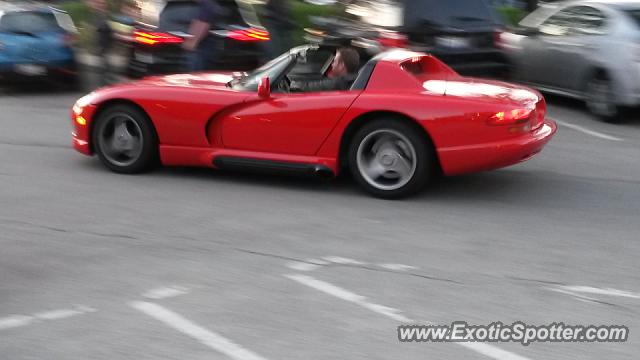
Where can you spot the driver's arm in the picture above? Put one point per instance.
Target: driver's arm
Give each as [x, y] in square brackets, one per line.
[326, 84]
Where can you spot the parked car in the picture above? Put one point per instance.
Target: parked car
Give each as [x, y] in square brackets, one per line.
[157, 49]
[405, 118]
[459, 32]
[36, 42]
[588, 49]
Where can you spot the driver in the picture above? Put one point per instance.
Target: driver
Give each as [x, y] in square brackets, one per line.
[340, 76]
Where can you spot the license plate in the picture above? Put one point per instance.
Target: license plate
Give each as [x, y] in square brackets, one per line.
[30, 70]
[453, 42]
[144, 57]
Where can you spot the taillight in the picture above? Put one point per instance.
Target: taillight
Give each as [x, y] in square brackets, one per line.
[498, 41]
[510, 117]
[69, 39]
[153, 38]
[392, 39]
[541, 112]
[251, 34]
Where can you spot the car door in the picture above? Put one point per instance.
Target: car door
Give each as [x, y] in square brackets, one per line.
[286, 123]
[539, 63]
[577, 47]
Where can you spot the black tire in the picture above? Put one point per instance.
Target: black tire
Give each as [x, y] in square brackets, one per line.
[600, 99]
[145, 158]
[410, 137]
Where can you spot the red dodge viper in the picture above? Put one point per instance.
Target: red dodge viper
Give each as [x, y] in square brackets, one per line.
[406, 117]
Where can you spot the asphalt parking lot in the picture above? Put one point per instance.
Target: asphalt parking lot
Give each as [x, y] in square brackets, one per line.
[197, 264]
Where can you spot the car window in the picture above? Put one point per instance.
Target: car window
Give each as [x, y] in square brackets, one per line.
[314, 62]
[272, 70]
[575, 20]
[29, 22]
[635, 15]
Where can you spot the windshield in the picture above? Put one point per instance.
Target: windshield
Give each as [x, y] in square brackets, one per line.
[635, 15]
[272, 69]
[29, 22]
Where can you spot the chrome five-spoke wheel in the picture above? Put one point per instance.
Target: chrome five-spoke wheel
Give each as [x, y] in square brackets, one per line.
[386, 159]
[391, 158]
[124, 139]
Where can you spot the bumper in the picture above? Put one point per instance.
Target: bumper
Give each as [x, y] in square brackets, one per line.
[81, 134]
[36, 71]
[473, 158]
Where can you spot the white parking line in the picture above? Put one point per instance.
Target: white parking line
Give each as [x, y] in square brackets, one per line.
[333, 290]
[15, 321]
[349, 296]
[572, 289]
[206, 337]
[588, 131]
[165, 292]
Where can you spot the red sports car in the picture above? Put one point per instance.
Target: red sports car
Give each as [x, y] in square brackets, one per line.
[406, 117]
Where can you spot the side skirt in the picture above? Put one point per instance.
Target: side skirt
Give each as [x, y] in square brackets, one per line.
[272, 166]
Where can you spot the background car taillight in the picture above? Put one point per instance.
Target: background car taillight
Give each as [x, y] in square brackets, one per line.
[251, 34]
[392, 39]
[154, 38]
[69, 40]
[498, 41]
[511, 117]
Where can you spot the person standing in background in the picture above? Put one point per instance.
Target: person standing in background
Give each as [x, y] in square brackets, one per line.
[102, 38]
[277, 17]
[202, 47]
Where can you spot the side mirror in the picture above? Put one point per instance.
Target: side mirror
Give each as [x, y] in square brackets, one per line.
[264, 88]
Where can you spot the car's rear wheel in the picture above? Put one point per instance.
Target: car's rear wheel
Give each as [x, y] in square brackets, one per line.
[390, 159]
[125, 140]
[600, 99]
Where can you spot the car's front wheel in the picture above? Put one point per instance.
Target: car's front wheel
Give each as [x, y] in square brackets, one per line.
[125, 140]
[390, 158]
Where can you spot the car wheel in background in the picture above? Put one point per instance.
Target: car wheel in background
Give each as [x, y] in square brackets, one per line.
[600, 99]
[125, 140]
[390, 159]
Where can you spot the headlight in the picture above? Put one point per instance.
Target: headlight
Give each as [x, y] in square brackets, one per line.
[82, 102]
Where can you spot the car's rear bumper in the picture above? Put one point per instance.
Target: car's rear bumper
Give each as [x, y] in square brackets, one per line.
[473, 158]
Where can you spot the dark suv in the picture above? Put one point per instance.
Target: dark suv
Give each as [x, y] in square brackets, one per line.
[462, 33]
[158, 49]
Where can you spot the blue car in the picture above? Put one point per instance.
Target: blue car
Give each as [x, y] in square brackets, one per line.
[36, 43]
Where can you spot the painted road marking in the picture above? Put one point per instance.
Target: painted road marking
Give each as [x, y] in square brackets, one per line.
[302, 266]
[588, 131]
[314, 264]
[397, 267]
[165, 292]
[15, 321]
[343, 261]
[349, 296]
[206, 337]
[573, 289]
[333, 290]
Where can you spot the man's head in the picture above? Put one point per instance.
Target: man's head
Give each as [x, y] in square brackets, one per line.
[347, 61]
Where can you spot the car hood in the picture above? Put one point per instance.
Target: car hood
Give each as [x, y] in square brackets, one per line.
[205, 80]
[482, 89]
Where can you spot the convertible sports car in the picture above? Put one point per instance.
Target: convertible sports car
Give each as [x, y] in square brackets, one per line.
[406, 118]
